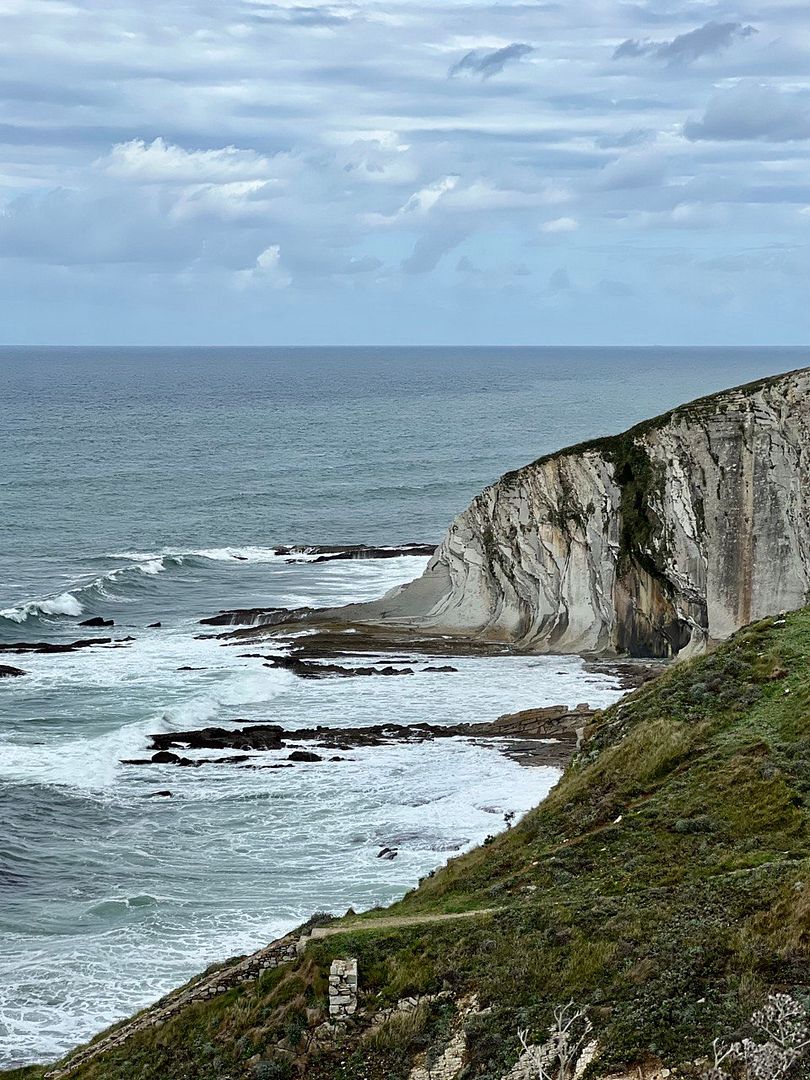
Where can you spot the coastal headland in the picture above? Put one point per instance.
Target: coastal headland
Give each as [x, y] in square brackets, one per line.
[662, 890]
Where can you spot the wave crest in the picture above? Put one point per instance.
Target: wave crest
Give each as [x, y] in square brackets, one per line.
[63, 604]
[108, 586]
[71, 603]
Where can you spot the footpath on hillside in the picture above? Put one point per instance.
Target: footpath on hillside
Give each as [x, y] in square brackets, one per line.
[282, 951]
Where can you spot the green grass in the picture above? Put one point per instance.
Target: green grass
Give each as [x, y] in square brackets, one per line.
[665, 883]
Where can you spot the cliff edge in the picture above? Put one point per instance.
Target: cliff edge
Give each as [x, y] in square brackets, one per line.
[653, 542]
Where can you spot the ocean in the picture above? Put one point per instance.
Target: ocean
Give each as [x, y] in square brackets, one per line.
[155, 485]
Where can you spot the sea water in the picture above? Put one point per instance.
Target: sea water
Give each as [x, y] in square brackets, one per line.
[155, 485]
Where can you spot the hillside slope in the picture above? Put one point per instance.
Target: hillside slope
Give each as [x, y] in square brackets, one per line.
[662, 539]
[664, 884]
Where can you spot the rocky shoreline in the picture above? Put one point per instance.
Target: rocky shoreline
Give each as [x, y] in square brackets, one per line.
[547, 736]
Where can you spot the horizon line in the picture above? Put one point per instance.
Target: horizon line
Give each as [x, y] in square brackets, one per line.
[384, 345]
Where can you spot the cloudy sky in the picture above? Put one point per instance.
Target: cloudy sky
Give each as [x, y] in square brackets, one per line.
[239, 171]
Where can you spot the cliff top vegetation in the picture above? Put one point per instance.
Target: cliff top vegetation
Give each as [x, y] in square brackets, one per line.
[664, 884]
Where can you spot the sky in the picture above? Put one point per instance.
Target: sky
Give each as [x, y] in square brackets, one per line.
[404, 172]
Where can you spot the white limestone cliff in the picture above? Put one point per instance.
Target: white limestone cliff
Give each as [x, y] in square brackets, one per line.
[652, 542]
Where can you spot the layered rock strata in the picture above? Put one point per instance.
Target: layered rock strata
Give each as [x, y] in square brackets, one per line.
[651, 543]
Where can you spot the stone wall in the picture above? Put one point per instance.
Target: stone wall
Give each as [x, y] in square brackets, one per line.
[342, 989]
[210, 985]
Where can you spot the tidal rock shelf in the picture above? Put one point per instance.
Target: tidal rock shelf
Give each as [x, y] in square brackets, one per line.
[546, 736]
[62, 646]
[317, 553]
[315, 669]
[335, 552]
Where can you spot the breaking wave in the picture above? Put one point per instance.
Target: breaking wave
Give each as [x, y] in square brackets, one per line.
[72, 602]
[198, 556]
[63, 604]
[119, 583]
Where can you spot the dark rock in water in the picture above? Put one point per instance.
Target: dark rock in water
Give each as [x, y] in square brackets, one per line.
[257, 737]
[236, 759]
[154, 626]
[360, 551]
[443, 667]
[259, 616]
[9, 672]
[55, 647]
[283, 765]
[160, 795]
[387, 853]
[163, 757]
[332, 552]
[629, 673]
[97, 620]
[186, 667]
[307, 669]
[545, 736]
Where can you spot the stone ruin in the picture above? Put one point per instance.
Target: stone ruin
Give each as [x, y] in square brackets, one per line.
[342, 989]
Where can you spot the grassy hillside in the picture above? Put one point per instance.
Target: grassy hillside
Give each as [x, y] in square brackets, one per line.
[665, 883]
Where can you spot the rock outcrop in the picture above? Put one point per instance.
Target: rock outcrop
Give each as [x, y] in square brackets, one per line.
[654, 542]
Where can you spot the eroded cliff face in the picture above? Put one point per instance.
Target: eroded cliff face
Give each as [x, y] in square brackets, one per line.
[652, 543]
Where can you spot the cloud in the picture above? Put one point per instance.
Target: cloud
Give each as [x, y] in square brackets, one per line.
[482, 195]
[160, 162]
[633, 170]
[267, 270]
[684, 215]
[377, 157]
[430, 249]
[618, 289]
[560, 225]
[321, 158]
[417, 205]
[560, 281]
[361, 264]
[712, 37]
[753, 110]
[301, 15]
[487, 64]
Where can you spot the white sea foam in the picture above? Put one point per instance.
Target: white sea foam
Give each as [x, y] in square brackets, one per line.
[270, 849]
[351, 577]
[248, 554]
[237, 855]
[248, 688]
[63, 604]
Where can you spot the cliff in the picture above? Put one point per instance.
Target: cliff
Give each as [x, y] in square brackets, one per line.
[653, 542]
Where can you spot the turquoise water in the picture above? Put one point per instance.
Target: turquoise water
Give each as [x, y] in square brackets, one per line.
[155, 484]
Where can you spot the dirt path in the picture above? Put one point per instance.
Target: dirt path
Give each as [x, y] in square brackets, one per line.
[391, 922]
[283, 951]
